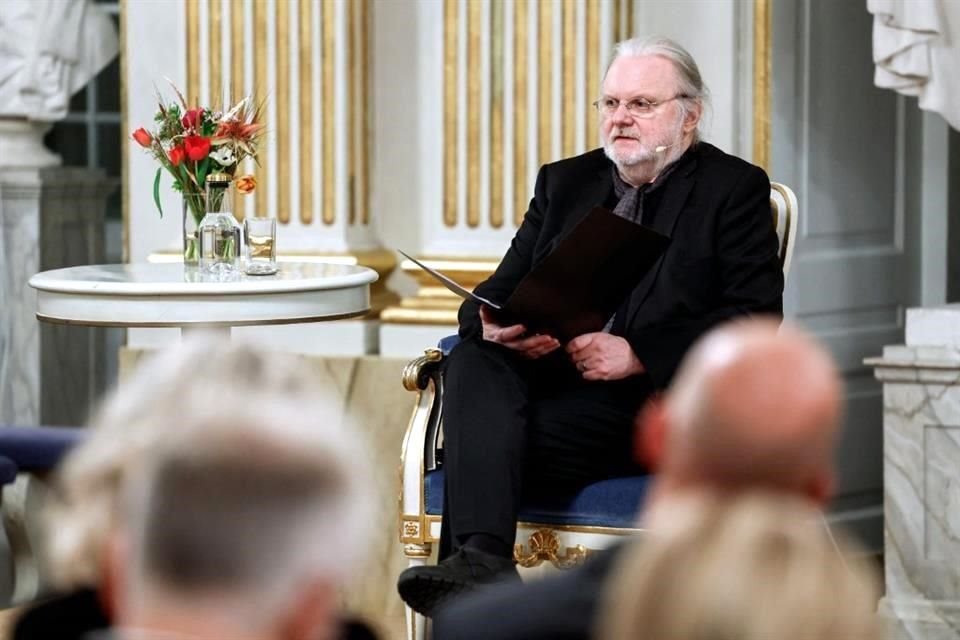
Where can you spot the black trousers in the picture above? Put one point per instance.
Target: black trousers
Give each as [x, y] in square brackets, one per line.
[516, 429]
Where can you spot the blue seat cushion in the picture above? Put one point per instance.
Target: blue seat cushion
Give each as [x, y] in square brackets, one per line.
[608, 503]
[37, 448]
[8, 470]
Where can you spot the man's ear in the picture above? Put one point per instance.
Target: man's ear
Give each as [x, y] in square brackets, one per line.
[313, 613]
[650, 433]
[692, 118]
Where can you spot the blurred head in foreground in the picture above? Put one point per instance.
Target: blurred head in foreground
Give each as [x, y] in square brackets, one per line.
[754, 405]
[750, 567]
[245, 528]
[265, 421]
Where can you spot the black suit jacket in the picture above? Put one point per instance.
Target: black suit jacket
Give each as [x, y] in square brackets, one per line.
[721, 261]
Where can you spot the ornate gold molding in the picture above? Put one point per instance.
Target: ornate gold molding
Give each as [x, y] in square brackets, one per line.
[416, 550]
[545, 546]
[433, 303]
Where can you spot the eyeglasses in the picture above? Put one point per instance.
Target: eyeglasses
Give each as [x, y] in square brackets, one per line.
[637, 107]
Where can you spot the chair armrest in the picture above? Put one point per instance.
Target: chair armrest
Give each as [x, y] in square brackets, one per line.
[418, 376]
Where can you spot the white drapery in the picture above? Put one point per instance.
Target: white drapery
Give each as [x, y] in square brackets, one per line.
[916, 50]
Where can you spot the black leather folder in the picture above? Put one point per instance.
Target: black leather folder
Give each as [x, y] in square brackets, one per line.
[579, 285]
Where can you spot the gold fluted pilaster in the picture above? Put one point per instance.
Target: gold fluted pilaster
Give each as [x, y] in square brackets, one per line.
[305, 52]
[236, 80]
[496, 114]
[450, 109]
[327, 115]
[545, 81]
[284, 53]
[762, 65]
[282, 25]
[364, 129]
[570, 108]
[351, 113]
[260, 10]
[520, 106]
[593, 69]
[473, 112]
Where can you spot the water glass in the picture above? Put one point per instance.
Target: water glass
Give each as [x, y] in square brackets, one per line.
[260, 236]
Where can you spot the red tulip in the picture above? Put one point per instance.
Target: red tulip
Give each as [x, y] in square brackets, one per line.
[143, 138]
[197, 147]
[176, 155]
[191, 119]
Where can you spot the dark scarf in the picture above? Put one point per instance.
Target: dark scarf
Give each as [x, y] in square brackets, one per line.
[630, 206]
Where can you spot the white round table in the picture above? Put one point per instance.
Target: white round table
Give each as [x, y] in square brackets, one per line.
[168, 295]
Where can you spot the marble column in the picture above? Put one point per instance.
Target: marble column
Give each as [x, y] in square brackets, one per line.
[49, 218]
[921, 434]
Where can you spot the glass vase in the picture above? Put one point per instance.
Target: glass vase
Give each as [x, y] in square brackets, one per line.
[194, 208]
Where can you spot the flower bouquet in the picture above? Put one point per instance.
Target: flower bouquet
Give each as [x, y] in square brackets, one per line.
[192, 143]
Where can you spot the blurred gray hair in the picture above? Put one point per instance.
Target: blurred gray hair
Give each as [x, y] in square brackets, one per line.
[688, 73]
[233, 520]
[180, 389]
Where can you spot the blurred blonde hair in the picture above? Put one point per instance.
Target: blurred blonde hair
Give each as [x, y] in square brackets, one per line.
[179, 389]
[753, 567]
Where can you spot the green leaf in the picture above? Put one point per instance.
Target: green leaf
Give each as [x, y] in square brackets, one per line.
[203, 167]
[156, 191]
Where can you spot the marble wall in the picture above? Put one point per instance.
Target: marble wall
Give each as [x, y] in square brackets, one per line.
[921, 431]
[49, 218]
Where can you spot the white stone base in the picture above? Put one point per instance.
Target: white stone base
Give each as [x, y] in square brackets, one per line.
[919, 620]
[339, 338]
[410, 340]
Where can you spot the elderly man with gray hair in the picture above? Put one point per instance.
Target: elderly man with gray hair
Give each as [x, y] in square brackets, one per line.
[526, 416]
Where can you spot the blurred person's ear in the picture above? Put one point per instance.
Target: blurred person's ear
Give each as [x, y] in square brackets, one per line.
[313, 613]
[650, 433]
[112, 590]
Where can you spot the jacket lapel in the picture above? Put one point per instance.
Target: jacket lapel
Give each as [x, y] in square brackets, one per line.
[676, 190]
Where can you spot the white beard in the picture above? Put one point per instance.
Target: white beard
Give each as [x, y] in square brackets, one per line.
[645, 153]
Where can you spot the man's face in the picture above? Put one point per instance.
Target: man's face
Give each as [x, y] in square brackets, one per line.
[629, 140]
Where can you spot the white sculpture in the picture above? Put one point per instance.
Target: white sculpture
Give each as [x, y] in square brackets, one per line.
[49, 50]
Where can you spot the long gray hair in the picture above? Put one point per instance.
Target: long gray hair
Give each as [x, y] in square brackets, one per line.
[688, 73]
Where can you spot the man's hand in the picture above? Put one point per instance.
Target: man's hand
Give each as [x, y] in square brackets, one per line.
[532, 347]
[601, 356]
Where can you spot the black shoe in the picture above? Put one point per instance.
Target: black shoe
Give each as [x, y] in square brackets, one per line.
[426, 589]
